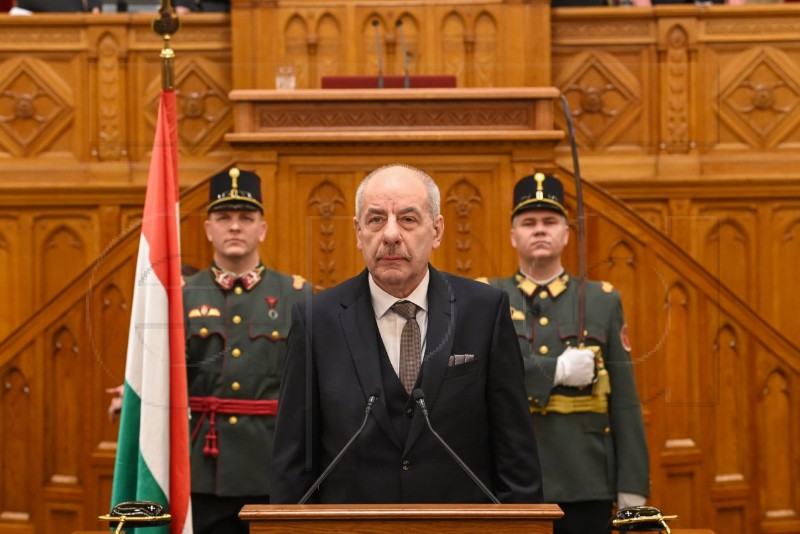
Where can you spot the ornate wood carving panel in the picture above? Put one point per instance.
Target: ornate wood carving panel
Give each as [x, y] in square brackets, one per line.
[726, 371]
[470, 240]
[759, 95]
[109, 320]
[323, 235]
[775, 417]
[9, 276]
[16, 441]
[607, 95]
[62, 239]
[784, 257]
[37, 103]
[680, 366]
[65, 418]
[726, 245]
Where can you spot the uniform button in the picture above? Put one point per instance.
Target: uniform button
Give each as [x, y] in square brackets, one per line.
[543, 294]
[236, 386]
[238, 290]
[543, 349]
[276, 334]
[406, 465]
[236, 353]
[233, 419]
[543, 321]
[204, 332]
[607, 430]
[410, 412]
[237, 319]
[535, 401]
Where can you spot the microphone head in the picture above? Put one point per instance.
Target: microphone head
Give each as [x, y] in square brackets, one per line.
[399, 23]
[375, 22]
[376, 393]
[418, 395]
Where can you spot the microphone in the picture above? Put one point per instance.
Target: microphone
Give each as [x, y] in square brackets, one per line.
[407, 78]
[536, 309]
[378, 52]
[376, 393]
[419, 398]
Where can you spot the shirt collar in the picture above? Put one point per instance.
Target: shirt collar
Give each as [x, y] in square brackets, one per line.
[382, 301]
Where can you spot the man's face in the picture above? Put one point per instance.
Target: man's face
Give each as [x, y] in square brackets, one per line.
[235, 234]
[395, 232]
[539, 235]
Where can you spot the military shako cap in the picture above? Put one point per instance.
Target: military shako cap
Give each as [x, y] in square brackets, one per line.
[539, 191]
[235, 190]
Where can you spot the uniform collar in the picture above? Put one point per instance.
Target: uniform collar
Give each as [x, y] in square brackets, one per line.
[226, 279]
[555, 287]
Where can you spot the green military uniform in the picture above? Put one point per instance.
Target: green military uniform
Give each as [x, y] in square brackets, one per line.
[591, 439]
[236, 331]
[598, 448]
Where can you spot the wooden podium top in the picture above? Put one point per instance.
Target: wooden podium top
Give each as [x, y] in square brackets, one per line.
[423, 115]
[391, 518]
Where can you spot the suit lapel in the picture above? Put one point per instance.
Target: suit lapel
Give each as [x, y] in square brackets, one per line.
[361, 332]
[438, 345]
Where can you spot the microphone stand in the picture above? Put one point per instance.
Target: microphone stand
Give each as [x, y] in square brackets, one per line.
[419, 398]
[372, 398]
[378, 53]
[406, 78]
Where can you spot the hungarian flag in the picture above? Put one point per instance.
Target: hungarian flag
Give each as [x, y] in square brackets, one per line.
[153, 446]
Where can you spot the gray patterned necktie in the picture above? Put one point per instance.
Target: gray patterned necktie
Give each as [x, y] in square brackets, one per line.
[410, 343]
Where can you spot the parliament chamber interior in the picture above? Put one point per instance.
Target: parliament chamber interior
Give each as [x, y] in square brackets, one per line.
[686, 123]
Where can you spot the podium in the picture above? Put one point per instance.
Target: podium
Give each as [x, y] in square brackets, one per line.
[410, 518]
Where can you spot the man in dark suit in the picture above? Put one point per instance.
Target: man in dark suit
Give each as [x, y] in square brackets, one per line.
[349, 342]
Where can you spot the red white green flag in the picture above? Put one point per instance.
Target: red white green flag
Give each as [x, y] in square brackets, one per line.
[152, 461]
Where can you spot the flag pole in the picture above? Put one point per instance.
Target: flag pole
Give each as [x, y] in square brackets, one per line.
[152, 479]
[166, 25]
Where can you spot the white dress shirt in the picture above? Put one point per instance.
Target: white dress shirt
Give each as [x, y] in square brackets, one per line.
[390, 323]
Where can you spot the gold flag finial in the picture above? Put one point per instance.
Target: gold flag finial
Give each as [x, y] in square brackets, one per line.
[166, 25]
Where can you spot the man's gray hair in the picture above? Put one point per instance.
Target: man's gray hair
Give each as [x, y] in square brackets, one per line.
[434, 197]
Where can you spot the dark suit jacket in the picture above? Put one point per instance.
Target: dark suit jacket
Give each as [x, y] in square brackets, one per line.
[480, 408]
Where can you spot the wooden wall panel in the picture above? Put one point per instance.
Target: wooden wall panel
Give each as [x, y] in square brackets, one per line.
[10, 251]
[783, 253]
[15, 442]
[324, 234]
[61, 238]
[65, 419]
[726, 368]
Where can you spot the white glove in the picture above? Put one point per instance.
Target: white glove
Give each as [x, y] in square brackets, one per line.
[624, 500]
[575, 368]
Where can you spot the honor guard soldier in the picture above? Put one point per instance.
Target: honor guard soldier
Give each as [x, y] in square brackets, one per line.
[581, 388]
[237, 316]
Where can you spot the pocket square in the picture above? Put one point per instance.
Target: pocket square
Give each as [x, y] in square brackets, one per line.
[458, 359]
